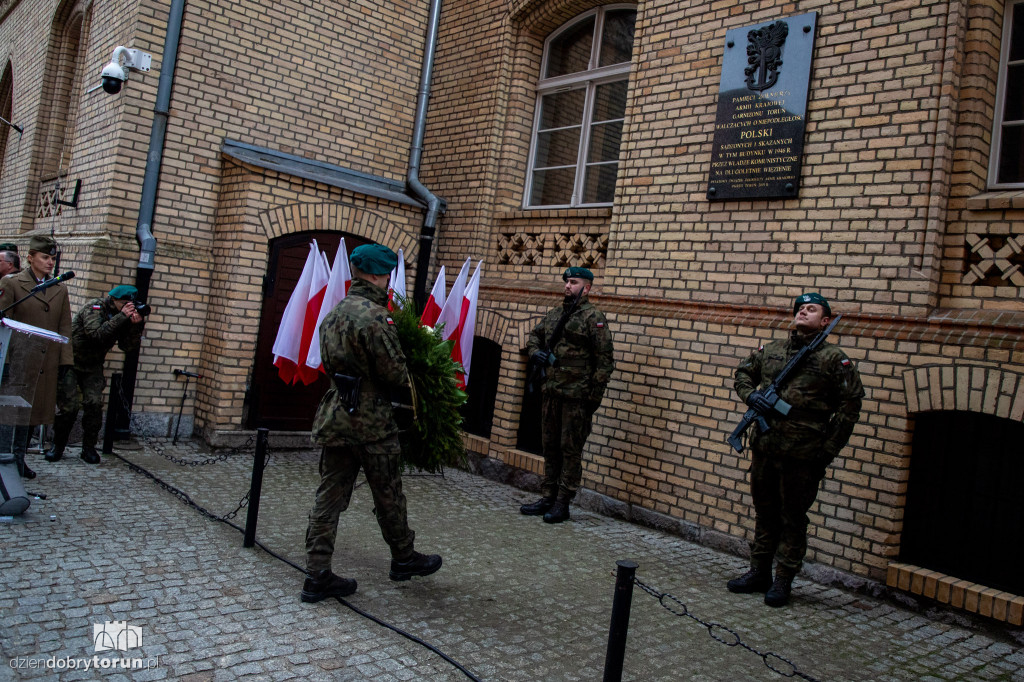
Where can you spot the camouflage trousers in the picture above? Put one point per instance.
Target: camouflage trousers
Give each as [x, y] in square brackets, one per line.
[565, 426]
[79, 389]
[783, 489]
[339, 466]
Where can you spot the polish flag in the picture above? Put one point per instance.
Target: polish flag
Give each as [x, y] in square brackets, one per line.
[289, 333]
[437, 299]
[314, 306]
[451, 311]
[462, 352]
[337, 289]
[397, 283]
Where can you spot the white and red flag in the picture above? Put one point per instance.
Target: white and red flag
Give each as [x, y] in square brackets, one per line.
[462, 352]
[437, 299]
[337, 289]
[451, 311]
[397, 283]
[288, 342]
[310, 326]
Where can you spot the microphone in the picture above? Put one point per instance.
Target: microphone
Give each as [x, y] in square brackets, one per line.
[183, 373]
[55, 280]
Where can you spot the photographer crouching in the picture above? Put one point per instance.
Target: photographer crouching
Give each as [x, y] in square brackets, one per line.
[115, 318]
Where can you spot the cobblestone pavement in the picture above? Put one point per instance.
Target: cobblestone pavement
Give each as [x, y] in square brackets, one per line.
[516, 599]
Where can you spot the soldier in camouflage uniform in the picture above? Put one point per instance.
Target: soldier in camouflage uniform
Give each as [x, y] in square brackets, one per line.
[578, 370]
[358, 340]
[94, 331]
[788, 462]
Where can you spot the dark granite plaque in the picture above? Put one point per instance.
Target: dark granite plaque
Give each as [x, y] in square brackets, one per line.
[762, 107]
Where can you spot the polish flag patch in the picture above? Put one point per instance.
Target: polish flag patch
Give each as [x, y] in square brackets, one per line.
[390, 321]
[600, 325]
[96, 307]
[845, 362]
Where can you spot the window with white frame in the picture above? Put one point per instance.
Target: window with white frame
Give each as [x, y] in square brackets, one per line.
[581, 105]
[1006, 164]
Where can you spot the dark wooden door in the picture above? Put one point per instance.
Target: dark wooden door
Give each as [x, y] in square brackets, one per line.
[272, 403]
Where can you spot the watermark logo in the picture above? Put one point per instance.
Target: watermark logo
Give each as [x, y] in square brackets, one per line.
[116, 636]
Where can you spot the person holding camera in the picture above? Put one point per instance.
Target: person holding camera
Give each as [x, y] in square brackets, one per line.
[114, 318]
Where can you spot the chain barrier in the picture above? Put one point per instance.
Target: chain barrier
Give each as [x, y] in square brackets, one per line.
[726, 636]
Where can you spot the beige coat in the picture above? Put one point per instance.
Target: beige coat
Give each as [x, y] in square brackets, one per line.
[49, 309]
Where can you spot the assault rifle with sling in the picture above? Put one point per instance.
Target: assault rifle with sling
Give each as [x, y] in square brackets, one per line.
[771, 394]
[537, 370]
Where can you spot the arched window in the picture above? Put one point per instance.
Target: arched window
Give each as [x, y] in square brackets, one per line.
[6, 112]
[66, 71]
[581, 105]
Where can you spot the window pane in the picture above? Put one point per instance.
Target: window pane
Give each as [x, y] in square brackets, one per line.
[604, 142]
[610, 101]
[570, 52]
[552, 187]
[599, 187]
[562, 109]
[1011, 155]
[1017, 33]
[558, 148]
[617, 41]
[1014, 107]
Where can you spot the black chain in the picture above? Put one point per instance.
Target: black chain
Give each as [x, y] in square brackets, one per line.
[726, 636]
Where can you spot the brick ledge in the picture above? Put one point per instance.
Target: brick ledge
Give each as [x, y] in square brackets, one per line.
[961, 594]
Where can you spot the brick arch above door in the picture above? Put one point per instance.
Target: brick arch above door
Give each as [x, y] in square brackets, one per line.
[966, 388]
[338, 217]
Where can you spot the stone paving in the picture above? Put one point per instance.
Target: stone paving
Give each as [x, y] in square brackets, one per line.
[516, 599]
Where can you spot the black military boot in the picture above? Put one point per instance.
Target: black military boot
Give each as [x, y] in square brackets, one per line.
[537, 508]
[90, 455]
[24, 471]
[757, 579]
[54, 454]
[559, 512]
[417, 564]
[778, 595]
[324, 584]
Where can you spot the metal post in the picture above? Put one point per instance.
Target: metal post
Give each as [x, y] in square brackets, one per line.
[620, 620]
[112, 413]
[255, 488]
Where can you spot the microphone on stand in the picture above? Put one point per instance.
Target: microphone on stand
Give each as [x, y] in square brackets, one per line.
[55, 280]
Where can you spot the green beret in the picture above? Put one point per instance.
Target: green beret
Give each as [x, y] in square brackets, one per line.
[812, 297]
[42, 244]
[9, 246]
[123, 292]
[582, 273]
[374, 259]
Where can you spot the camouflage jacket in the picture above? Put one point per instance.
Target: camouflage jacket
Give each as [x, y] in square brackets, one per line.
[358, 338]
[96, 328]
[824, 390]
[584, 355]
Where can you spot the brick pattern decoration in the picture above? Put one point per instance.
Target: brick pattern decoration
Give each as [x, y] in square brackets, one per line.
[995, 260]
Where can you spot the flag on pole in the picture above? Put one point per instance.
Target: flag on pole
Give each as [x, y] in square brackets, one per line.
[337, 288]
[451, 311]
[397, 283]
[437, 299]
[289, 333]
[462, 352]
[317, 291]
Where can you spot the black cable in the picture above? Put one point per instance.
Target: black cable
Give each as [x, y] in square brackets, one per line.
[188, 500]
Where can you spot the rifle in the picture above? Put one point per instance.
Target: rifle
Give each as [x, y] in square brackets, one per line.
[771, 393]
[537, 372]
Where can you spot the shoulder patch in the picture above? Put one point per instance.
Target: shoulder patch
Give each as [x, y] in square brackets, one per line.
[97, 307]
[845, 362]
[599, 325]
[390, 321]
[760, 348]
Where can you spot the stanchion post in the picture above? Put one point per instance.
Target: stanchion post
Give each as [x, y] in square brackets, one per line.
[112, 413]
[621, 605]
[256, 487]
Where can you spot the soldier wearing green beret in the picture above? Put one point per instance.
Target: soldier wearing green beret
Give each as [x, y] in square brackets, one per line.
[9, 246]
[101, 323]
[355, 425]
[788, 461]
[579, 367]
[49, 309]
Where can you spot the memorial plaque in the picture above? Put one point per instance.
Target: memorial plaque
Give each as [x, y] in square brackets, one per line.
[762, 106]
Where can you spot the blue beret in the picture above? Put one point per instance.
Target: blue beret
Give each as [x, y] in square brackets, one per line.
[123, 292]
[812, 297]
[374, 259]
[582, 273]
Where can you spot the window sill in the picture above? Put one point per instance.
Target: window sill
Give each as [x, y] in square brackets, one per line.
[996, 200]
[541, 213]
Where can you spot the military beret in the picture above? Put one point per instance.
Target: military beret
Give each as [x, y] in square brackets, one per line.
[374, 259]
[582, 273]
[42, 244]
[123, 292]
[9, 246]
[811, 297]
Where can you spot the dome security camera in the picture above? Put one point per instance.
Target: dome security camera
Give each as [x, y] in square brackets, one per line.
[113, 76]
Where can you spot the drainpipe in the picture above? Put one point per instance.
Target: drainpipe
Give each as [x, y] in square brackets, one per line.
[435, 205]
[150, 183]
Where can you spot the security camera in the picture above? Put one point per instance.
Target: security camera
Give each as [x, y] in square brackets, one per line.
[124, 60]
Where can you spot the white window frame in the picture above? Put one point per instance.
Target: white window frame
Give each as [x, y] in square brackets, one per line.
[1000, 104]
[590, 79]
